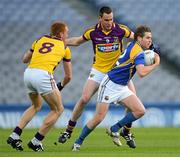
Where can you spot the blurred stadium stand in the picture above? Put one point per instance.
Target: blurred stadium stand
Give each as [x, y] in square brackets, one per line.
[24, 21]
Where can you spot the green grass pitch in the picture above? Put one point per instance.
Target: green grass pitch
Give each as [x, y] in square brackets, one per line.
[151, 142]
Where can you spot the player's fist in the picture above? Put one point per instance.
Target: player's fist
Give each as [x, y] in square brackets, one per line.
[155, 48]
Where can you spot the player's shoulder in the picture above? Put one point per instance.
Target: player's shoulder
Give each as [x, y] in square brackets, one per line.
[135, 49]
[37, 40]
[43, 38]
[122, 26]
[67, 49]
[90, 29]
[51, 39]
[134, 46]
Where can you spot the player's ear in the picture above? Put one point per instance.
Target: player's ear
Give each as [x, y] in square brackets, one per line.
[99, 18]
[61, 35]
[139, 39]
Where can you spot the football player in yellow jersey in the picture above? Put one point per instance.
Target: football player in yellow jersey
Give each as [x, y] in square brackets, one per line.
[114, 87]
[43, 57]
[107, 39]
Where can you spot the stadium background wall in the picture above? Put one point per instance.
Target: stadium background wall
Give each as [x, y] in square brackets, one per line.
[157, 115]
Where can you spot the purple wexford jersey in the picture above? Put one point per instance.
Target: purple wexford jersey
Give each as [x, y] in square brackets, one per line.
[107, 46]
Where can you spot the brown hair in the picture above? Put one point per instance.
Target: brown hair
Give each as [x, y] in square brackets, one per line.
[105, 9]
[57, 27]
[140, 31]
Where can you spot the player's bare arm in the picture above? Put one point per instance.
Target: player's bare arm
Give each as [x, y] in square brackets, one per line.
[145, 70]
[27, 56]
[75, 41]
[67, 73]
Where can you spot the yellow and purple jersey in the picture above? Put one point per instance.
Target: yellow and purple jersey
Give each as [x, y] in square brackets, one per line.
[107, 46]
[125, 66]
[48, 52]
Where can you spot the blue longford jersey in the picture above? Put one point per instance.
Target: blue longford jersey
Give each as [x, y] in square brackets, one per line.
[125, 67]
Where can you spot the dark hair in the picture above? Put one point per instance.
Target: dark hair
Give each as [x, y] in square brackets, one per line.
[57, 27]
[140, 31]
[104, 9]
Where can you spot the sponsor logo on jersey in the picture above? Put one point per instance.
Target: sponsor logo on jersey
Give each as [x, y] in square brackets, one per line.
[98, 39]
[108, 47]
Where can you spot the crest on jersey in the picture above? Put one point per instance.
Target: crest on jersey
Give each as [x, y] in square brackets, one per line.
[116, 39]
[107, 40]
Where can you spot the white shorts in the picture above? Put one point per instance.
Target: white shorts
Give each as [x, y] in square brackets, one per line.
[110, 92]
[96, 75]
[39, 81]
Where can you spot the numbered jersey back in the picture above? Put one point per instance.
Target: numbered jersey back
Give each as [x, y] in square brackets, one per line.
[47, 52]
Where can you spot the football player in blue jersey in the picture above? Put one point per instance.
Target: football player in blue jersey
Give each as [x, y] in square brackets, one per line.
[107, 39]
[114, 87]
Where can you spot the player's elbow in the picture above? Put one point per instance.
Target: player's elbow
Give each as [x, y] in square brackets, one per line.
[141, 74]
[27, 57]
[24, 60]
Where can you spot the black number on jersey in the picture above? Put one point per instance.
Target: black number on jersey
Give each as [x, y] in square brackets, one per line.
[46, 47]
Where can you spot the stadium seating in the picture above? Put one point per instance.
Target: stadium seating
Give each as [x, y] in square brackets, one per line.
[22, 22]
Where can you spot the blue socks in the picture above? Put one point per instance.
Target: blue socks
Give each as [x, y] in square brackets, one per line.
[129, 118]
[84, 133]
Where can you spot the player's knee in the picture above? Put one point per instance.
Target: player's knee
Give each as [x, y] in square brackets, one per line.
[85, 98]
[59, 111]
[140, 112]
[99, 118]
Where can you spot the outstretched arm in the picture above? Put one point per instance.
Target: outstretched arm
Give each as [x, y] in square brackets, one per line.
[75, 41]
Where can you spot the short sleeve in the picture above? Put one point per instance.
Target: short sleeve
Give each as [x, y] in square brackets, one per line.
[87, 34]
[139, 59]
[67, 56]
[33, 46]
[126, 29]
